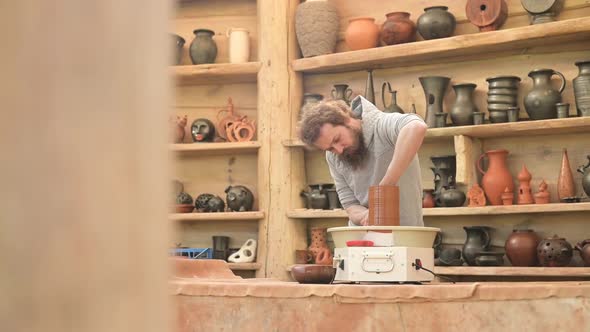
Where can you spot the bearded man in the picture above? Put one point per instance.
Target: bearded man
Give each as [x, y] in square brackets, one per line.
[366, 147]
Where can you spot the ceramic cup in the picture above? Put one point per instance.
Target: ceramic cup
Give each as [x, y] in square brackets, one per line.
[563, 110]
[512, 113]
[478, 118]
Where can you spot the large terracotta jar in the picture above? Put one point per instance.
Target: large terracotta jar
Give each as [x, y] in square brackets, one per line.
[361, 33]
[398, 29]
[316, 27]
[497, 178]
[521, 247]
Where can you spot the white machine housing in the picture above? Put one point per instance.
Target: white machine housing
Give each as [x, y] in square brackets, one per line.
[382, 264]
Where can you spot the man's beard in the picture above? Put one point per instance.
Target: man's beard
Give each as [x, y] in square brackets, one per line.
[355, 156]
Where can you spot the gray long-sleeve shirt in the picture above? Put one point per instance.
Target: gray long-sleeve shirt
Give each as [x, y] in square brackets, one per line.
[380, 131]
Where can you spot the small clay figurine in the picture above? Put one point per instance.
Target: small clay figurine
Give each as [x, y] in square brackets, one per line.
[542, 196]
[525, 194]
[203, 130]
[239, 198]
[476, 196]
[178, 128]
[507, 197]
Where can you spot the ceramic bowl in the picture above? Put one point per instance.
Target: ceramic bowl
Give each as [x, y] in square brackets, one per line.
[313, 273]
[184, 208]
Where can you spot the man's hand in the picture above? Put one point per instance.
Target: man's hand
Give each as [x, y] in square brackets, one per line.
[358, 214]
[365, 220]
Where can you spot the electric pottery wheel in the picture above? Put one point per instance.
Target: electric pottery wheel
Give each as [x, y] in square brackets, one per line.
[383, 253]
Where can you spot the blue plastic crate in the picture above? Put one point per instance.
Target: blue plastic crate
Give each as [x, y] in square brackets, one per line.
[193, 253]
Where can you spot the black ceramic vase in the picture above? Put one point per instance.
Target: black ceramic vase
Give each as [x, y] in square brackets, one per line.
[203, 48]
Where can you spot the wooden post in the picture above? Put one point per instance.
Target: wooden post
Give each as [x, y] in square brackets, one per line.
[84, 171]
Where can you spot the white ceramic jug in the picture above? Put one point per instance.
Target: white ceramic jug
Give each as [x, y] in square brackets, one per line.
[239, 45]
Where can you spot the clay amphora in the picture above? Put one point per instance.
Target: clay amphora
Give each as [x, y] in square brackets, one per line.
[203, 48]
[428, 198]
[487, 15]
[316, 27]
[585, 170]
[436, 22]
[434, 91]
[342, 92]
[398, 29]
[582, 88]
[239, 45]
[462, 111]
[525, 193]
[565, 181]
[521, 247]
[393, 107]
[361, 33]
[369, 88]
[584, 249]
[554, 251]
[478, 239]
[497, 177]
[540, 101]
[318, 246]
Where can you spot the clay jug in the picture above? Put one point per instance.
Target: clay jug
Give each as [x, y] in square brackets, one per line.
[239, 45]
[584, 249]
[565, 182]
[521, 247]
[361, 33]
[428, 198]
[398, 29]
[540, 101]
[464, 107]
[585, 170]
[203, 48]
[582, 88]
[478, 239]
[318, 245]
[393, 107]
[497, 177]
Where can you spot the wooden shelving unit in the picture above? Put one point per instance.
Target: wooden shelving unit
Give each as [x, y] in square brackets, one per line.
[513, 271]
[244, 266]
[316, 214]
[217, 216]
[513, 40]
[217, 148]
[216, 73]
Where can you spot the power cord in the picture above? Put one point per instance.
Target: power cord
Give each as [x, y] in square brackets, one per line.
[418, 265]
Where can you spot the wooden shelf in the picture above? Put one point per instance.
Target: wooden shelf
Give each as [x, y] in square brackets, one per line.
[313, 214]
[244, 266]
[217, 73]
[225, 216]
[509, 129]
[458, 211]
[212, 148]
[513, 271]
[445, 49]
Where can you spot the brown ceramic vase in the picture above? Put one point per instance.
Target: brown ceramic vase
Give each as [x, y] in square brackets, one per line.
[398, 29]
[521, 247]
[384, 206]
[554, 251]
[497, 178]
[361, 33]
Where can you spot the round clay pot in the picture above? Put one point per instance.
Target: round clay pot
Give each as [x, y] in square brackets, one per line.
[428, 198]
[521, 247]
[313, 274]
[361, 33]
[554, 251]
[436, 22]
[398, 29]
[184, 208]
[316, 27]
[203, 48]
[452, 197]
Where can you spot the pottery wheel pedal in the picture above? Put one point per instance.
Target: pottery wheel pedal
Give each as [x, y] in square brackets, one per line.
[361, 261]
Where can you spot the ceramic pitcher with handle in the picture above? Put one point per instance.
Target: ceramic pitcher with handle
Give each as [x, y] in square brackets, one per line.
[540, 101]
[497, 178]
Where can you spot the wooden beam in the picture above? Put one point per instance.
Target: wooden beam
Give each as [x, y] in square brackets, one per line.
[447, 49]
[467, 152]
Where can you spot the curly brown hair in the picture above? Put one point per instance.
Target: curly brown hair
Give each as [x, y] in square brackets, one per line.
[334, 112]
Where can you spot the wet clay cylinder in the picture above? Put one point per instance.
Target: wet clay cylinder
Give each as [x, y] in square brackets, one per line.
[384, 206]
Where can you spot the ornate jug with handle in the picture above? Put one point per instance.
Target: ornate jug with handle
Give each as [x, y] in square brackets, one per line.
[478, 240]
[393, 107]
[540, 101]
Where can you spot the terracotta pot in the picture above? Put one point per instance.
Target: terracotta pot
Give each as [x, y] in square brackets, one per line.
[542, 197]
[507, 197]
[398, 29]
[428, 198]
[313, 274]
[584, 249]
[565, 181]
[384, 206]
[316, 27]
[554, 251]
[521, 247]
[361, 33]
[487, 15]
[525, 193]
[497, 178]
